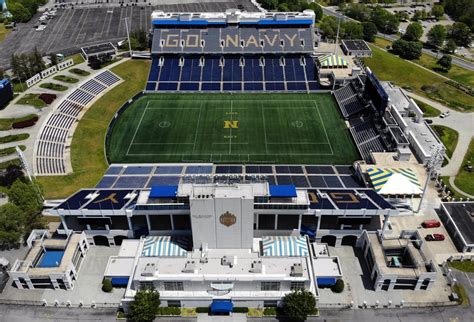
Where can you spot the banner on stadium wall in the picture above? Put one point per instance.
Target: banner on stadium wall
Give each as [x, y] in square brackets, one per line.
[65, 64]
[33, 80]
[49, 71]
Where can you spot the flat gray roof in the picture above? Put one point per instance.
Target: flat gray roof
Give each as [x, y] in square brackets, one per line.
[462, 215]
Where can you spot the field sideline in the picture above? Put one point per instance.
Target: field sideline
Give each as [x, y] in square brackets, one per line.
[232, 128]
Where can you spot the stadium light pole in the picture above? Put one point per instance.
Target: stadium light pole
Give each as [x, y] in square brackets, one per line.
[128, 37]
[435, 159]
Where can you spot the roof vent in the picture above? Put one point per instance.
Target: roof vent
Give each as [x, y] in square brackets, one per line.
[256, 267]
[189, 267]
[227, 261]
[297, 270]
[148, 270]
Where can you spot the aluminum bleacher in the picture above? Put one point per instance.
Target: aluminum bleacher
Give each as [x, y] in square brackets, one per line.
[50, 148]
[366, 138]
[349, 100]
[232, 73]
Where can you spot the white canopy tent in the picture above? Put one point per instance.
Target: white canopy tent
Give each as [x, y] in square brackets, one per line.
[398, 184]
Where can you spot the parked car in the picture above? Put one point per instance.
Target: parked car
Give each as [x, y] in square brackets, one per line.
[434, 237]
[41, 28]
[431, 223]
[429, 121]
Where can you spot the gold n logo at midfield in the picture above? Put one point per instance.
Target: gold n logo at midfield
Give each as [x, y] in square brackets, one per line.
[231, 124]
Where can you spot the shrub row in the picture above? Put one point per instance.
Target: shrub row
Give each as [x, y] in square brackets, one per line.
[240, 310]
[26, 123]
[47, 98]
[202, 309]
[270, 311]
[169, 311]
[461, 87]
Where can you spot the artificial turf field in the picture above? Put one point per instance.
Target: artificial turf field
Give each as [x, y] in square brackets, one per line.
[232, 128]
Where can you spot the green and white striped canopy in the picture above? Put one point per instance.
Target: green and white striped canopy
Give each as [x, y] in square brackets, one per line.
[332, 61]
[284, 246]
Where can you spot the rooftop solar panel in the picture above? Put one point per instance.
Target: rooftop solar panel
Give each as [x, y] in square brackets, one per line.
[106, 182]
[114, 170]
[332, 182]
[199, 169]
[109, 199]
[282, 169]
[284, 180]
[256, 169]
[131, 182]
[76, 201]
[169, 170]
[317, 182]
[138, 170]
[295, 169]
[344, 169]
[300, 181]
[163, 181]
[350, 182]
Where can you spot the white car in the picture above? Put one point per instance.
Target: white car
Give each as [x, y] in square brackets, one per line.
[41, 28]
[445, 114]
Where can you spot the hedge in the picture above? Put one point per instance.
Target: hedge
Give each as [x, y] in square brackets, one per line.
[270, 311]
[107, 285]
[202, 309]
[338, 287]
[169, 311]
[240, 310]
[47, 98]
[26, 123]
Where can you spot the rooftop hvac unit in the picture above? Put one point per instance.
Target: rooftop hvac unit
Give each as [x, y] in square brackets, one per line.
[148, 270]
[227, 261]
[256, 267]
[190, 267]
[297, 270]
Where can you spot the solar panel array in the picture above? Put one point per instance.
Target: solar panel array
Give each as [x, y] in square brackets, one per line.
[232, 73]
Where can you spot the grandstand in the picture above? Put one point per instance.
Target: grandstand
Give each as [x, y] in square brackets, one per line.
[51, 156]
[232, 51]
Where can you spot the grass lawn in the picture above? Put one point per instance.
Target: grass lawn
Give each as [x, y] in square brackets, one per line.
[465, 180]
[459, 74]
[6, 124]
[3, 32]
[66, 79]
[19, 87]
[79, 72]
[13, 138]
[405, 74]
[428, 110]
[461, 292]
[448, 136]
[232, 128]
[54, 87]
[77, 58]
[464, 266]
[4, 165]
[8, 151]
[87, 156]
[33, 100]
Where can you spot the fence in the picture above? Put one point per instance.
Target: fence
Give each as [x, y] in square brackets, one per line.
[48, 72]
[63, 304]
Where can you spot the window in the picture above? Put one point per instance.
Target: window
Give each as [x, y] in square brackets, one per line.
[174, 303]
[270, 286]
[270, 303]
[174, 286]
[181, 222]
[160, 222]
[287, 222]
[146, 284]
[266, 222]
[297, 286]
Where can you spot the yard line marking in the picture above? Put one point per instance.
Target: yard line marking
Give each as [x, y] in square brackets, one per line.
[136, 130]
[197, 127]
[230, 138]
[324, 127]
[264, 128]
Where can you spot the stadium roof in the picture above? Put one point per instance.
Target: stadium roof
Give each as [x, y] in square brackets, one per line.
[356, 45]
[390, 181]
[462, 215]
[332, 61]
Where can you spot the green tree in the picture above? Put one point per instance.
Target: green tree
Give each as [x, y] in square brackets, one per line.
[437, 11]
[407, 49]
[141, 39]
[19, 12]
[12, 220]
[436, 35]
[353, 30]
[2, 74]
[450, 46]
[414, 32]
[298, 304]
[445, 62]
[318, 11]
[25, 196]
[384, 20]
[460, 33]
[357, 11]
[329, 26]
[370, 31]
[461, 11]
[54, 59]
[145, 304]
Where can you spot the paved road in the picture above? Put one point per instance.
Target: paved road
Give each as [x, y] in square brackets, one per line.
[455, 60]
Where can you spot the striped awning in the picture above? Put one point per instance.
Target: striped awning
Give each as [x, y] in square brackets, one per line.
[381, 177]
[284, 246]
[163, 246]
[332, 61]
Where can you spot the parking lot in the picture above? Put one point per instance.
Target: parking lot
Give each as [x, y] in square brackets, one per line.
[359, 287]
[87, 287]
[73, 28]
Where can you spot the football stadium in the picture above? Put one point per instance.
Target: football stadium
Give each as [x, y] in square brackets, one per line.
[246, 154]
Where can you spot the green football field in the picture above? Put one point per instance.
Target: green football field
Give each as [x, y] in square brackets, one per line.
[232, 128]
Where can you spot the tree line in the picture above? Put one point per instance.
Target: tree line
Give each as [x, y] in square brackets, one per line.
[292, 5]
[23, 211]
[23, 10]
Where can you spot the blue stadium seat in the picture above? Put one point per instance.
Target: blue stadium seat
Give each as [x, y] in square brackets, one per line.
[268, 69]
[211, 86]
[232, 86]
[165, 70]
[313, 86]
[154, 71]
[167, 86]
[275, 86]
[175, 70]
[290, 69]
[186, 70]
[150, 86]
[253, 86]
[296, 86]
[189, 87]
[232, 70]
[310, 69]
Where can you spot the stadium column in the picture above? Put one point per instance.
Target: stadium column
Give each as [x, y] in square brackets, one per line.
[148, 223]
[317, 213]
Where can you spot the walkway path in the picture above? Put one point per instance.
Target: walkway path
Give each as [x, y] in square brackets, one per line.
[463, 123]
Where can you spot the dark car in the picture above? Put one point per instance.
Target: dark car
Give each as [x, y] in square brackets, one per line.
[434, 237]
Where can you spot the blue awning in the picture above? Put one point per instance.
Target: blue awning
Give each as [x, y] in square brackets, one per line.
[221, 306]
[288, 191]
[326, 281]
[163, 191]
[119, 281]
